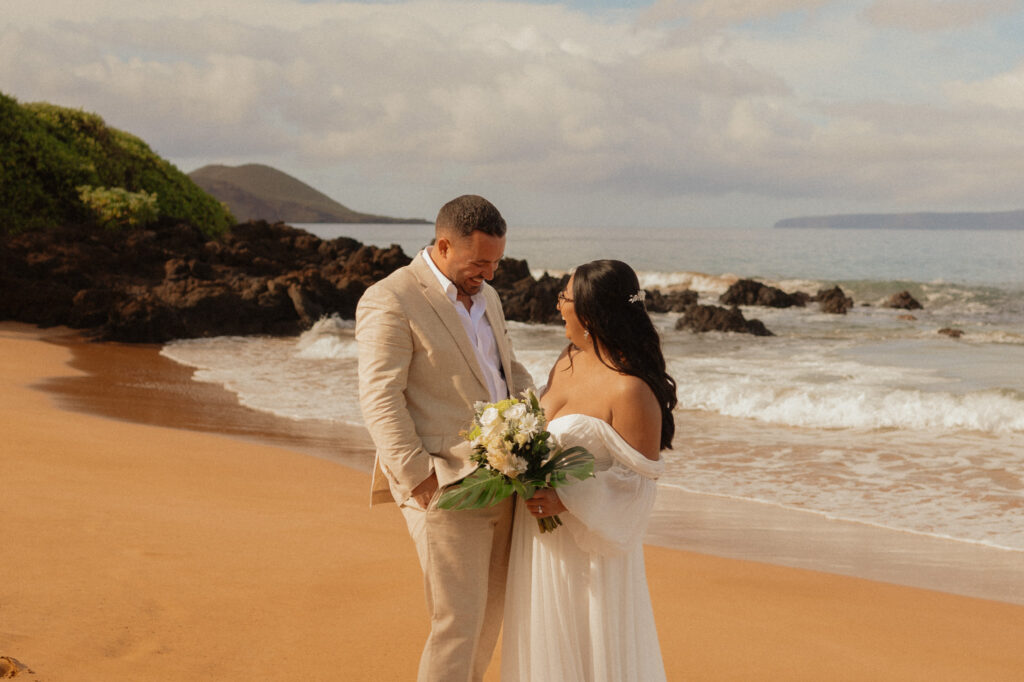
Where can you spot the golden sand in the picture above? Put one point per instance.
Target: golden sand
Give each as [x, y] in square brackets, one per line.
[144, 552]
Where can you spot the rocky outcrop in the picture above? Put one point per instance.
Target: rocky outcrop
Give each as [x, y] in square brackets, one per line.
[669, 301]
[904, 301]
[952, 332]
[751, 292]
[706, 318]
[524, 298]
[834, 301]
[174, 282]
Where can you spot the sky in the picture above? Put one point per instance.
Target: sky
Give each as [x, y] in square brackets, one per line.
[614, 113]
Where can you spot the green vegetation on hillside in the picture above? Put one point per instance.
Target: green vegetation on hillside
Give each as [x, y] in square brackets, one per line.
[48, 154]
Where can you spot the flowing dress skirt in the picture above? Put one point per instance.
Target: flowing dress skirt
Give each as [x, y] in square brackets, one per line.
[577, 607]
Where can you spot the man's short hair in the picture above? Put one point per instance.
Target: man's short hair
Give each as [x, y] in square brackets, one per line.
[469, 213]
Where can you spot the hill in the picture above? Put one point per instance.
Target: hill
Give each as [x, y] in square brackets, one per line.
[1001, 220]
[60, 165]
[257, 192]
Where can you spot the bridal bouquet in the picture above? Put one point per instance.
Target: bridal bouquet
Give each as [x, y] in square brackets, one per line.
[515, 454]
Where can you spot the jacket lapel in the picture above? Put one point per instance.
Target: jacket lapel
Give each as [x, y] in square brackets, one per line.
[445, 310]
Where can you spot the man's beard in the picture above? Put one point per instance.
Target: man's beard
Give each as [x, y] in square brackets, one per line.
[466, 292]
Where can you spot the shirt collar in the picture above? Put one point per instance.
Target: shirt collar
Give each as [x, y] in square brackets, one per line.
[447, 286]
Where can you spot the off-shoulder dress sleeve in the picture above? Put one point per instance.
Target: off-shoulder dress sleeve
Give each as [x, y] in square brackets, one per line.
[608, 514]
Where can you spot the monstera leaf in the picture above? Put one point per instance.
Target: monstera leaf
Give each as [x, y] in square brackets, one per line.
[482, 488]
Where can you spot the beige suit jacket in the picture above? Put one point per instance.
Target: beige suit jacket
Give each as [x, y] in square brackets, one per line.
[419, 379]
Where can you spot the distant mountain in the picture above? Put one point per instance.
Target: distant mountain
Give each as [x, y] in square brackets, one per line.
[258, 192]
[1002, 220]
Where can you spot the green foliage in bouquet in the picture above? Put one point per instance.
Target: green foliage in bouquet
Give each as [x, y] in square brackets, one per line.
[48, 152]
[516, 455]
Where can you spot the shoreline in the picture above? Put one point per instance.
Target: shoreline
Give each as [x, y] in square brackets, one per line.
[689, 521]
[756, 531]
[165, 553]
[137, 389]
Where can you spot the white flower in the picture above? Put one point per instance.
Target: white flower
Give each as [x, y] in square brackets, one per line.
[522, 438]
[493, 431]
[516, 412]
[489, 416]
[529, 425]
[491, 424]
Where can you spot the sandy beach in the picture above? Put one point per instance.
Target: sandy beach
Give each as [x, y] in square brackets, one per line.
[182, 536]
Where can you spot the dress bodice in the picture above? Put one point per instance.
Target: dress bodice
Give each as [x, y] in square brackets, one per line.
[604, 443]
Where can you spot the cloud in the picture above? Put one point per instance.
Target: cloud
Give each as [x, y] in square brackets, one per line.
[935, 15]
[555, 108]
[704, 14]
[1004, 91]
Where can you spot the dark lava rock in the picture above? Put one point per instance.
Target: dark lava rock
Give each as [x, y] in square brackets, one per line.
[904, 301]
[751, 292]
[669, 302]
[706, 318]
[525, 299]
[833, 301]
[173, 282]
[951, 332]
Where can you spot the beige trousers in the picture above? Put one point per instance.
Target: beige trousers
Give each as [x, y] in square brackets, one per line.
[464, 557]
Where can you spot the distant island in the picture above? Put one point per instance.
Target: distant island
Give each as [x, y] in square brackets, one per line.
[1000, 220]
[257, 192]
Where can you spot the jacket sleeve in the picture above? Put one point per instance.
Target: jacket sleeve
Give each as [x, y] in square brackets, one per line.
[385, 342]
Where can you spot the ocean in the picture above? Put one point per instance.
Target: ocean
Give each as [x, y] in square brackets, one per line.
[870, 417]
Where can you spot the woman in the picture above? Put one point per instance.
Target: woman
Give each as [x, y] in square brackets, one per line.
[577, 606]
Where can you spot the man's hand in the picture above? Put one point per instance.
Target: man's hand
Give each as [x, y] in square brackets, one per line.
[425, 490]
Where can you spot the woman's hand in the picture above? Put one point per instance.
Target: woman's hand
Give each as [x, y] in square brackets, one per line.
[544, 503]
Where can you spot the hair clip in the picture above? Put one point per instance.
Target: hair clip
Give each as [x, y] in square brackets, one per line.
[639, 297]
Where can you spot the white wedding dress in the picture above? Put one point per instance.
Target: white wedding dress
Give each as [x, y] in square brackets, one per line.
[577, 607]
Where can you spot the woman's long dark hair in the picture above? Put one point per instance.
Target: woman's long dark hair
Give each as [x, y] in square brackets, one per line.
[607, 305]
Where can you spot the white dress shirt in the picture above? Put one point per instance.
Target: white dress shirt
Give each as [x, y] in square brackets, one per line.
[478, 328]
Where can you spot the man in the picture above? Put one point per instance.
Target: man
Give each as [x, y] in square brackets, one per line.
[432, 342]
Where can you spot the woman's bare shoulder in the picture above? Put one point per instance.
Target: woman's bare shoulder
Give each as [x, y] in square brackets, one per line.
[563, 363]
[627, 387]
[636, 414]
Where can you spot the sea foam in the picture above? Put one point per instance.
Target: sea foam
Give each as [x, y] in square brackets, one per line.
[810, 393]
[330, 338]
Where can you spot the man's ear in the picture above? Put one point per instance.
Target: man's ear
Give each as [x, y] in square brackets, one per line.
[442, 244]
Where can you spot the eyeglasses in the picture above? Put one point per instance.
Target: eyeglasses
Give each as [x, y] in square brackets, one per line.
[562, 298]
